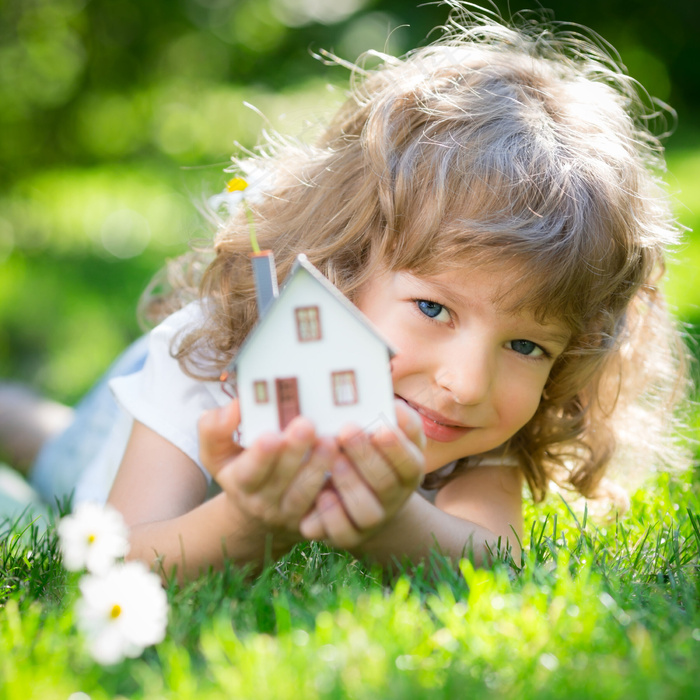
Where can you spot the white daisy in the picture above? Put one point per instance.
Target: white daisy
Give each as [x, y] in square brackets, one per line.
[231, 197]
[122, 612]
[252, 186]
[93, 538]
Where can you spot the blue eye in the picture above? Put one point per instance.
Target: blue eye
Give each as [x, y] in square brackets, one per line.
[526, 347]
[430, 308]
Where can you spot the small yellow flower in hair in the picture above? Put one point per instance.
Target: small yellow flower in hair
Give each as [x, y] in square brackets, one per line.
[236, 184]
[233, 195]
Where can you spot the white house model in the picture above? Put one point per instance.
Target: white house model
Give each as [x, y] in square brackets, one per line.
[312, 353]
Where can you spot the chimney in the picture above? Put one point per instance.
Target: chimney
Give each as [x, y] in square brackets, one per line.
[265, 276]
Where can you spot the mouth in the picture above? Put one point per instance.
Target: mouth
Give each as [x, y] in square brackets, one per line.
[436, 426]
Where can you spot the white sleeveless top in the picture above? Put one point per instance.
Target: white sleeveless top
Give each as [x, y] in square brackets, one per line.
[163, 398]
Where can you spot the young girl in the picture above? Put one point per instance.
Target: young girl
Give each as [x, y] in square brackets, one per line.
[490, 202]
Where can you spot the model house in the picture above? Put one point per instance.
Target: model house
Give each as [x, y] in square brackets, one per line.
[312, 353]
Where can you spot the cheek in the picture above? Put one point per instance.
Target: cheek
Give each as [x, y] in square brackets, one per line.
[518, 404]
[400, 369]
[411, 379]
[409, 365]
[411, 351]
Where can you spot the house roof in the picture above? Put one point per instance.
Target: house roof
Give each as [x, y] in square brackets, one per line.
[302, 264]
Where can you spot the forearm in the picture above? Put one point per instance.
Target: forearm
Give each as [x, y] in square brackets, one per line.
[205, 537]
[420, 527]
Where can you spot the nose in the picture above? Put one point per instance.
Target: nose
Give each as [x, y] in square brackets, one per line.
[466, 371]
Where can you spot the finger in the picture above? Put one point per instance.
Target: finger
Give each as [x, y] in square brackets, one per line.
[253, 467]
[299, 497]
[404, 456]
[410, 424]
[361, 504]
[340, 531]
[357, 445]
[216, 428]
[297, 444]
[311, 526]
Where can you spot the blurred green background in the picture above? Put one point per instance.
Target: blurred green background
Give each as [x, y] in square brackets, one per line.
[117, 116]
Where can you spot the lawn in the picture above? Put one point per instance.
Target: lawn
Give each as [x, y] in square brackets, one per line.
[606, 610]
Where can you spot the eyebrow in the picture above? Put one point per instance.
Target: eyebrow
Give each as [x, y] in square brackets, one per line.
[560, 337]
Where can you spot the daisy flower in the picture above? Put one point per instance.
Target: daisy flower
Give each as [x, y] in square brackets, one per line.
[121, 612]
[253, 184]
[234, 193]
[92, 538]
[239, 192]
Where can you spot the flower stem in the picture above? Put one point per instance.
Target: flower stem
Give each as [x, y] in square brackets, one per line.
[251, 223]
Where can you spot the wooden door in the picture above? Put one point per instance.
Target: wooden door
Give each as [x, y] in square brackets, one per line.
[287, 400]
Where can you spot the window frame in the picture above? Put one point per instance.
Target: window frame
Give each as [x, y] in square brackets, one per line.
[261, 384]
[337, 385]
[304, 323]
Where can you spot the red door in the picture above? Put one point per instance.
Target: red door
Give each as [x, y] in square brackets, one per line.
[287, 400]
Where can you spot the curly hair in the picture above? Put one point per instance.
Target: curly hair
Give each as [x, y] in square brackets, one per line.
[519, 143]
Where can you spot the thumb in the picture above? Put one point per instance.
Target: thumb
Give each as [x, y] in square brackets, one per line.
[216, 442]
[410, 423]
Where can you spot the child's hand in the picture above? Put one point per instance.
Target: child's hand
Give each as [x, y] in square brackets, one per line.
[371, 480]
[216, 443]
[274, 482]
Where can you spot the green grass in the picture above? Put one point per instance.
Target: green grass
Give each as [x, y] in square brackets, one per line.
[606, 610]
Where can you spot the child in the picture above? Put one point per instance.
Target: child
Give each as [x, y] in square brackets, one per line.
[490, 203]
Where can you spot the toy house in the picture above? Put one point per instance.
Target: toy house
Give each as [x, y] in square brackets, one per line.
[312, 353]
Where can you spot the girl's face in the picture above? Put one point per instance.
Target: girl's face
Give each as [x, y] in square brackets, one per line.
[473, 370]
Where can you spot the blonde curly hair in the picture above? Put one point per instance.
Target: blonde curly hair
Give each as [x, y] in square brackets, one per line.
[501, 142]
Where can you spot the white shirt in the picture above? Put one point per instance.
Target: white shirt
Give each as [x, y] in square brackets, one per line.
[163, 398]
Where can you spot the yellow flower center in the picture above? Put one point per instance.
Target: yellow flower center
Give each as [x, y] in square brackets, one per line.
[91, 538]
[116, 611]
[236, 184]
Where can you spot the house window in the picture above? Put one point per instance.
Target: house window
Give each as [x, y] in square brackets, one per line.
[260, 392]
[308, 323]
[344, 388]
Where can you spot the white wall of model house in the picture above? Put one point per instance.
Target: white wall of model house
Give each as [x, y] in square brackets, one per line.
[274, 351]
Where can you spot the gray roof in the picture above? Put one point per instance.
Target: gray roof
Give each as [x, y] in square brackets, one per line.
[302, 263]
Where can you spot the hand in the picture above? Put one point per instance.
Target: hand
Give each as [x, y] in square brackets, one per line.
[371, 477]
[216, 429]
[274, 482]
